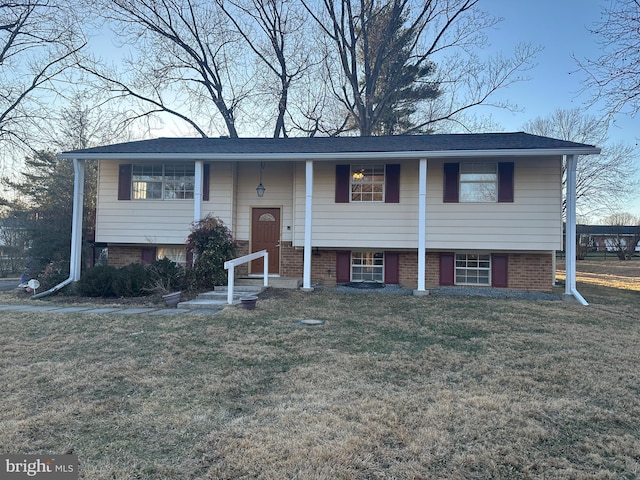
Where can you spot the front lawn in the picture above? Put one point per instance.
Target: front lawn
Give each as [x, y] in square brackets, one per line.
[389, 387]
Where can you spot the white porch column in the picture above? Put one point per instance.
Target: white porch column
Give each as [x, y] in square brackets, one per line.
[570, 230]
[76, 222]
[422, 226]
[308, 204]
[197, 191]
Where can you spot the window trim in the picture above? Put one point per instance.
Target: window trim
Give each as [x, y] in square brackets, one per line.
[451, 182]
[165, 180]
[462, 182]
[391, 183]
[177, 254]
[377, 276]
[476, 269]
[125, 184]
[375, 169]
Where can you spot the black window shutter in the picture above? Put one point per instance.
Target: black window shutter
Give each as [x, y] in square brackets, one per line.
[342, 183]
[499, 270]
[148, 255]
[392, 184]
[447, 269]
[505, 181]
[206, 169]
[450, 187]
[391, 268]
[343, 266]
[124, 182]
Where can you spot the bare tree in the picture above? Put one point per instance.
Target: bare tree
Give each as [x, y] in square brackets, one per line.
[625, 233]
[615, 74]
[39, 41]
[366, 37]
[603, 181]
[185, 51]
[257, 61]
[274, 30]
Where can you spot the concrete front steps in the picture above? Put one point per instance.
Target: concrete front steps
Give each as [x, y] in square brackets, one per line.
[274, 282]
[217, 299]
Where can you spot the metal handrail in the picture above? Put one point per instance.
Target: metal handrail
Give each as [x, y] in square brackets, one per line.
[232, 264]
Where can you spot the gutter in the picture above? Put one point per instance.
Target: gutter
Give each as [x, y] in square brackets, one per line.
[579, 297]
[570, 234]
[75, 263]
[303, 156]
[60, 286]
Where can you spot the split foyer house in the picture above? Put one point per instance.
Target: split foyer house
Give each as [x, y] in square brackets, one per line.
[419, 211]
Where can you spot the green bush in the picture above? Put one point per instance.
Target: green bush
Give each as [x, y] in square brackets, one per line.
[97, 281]
[166, 276]
[133, 280]
[211, 244]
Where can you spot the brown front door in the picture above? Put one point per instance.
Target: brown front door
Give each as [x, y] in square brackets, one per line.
[265, 235]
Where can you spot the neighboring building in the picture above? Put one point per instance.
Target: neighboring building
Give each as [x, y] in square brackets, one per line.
[610, 238]
[419, 211]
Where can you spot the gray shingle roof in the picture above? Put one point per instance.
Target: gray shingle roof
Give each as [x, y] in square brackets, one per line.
[331, 145]
[608, 230]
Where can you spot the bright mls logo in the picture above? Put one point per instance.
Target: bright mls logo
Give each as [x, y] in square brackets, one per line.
[59, 467]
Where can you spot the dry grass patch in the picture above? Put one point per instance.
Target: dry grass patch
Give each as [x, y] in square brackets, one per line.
[612, 273]
[388, 387]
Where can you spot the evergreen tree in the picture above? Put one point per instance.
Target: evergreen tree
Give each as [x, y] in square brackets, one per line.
[44, 201]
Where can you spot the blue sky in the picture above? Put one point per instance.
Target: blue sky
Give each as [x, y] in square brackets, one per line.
[561, 28]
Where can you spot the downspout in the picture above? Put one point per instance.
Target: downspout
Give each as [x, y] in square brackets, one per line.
[570, 231]
[75, 263]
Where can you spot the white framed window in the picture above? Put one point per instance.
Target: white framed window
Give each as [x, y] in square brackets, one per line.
[163, 181]
[367, 267]
[175, 254]
[367, 183]
[479, 182]
[473, 269]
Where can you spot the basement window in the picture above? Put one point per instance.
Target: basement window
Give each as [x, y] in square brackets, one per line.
[473, 269]
[367, 267]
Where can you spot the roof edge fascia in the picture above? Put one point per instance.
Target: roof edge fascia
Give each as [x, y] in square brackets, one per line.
[334, 156]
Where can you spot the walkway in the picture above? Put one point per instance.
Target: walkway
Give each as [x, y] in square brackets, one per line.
[55, 309]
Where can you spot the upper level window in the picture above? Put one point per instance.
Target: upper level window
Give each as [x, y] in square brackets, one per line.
[163, 181]
[367, 183]
[478, 182]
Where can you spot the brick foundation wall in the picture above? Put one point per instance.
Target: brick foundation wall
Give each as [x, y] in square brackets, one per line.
[242, 249]
[323, 268]
[433, 270]
[408, 269]
[530, 271]
[527, 271]
[120, 256]
[323, 264]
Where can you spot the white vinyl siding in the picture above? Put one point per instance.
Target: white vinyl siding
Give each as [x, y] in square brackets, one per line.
[155, 222]
[532, 222]
[277, 178]
[364, 225]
